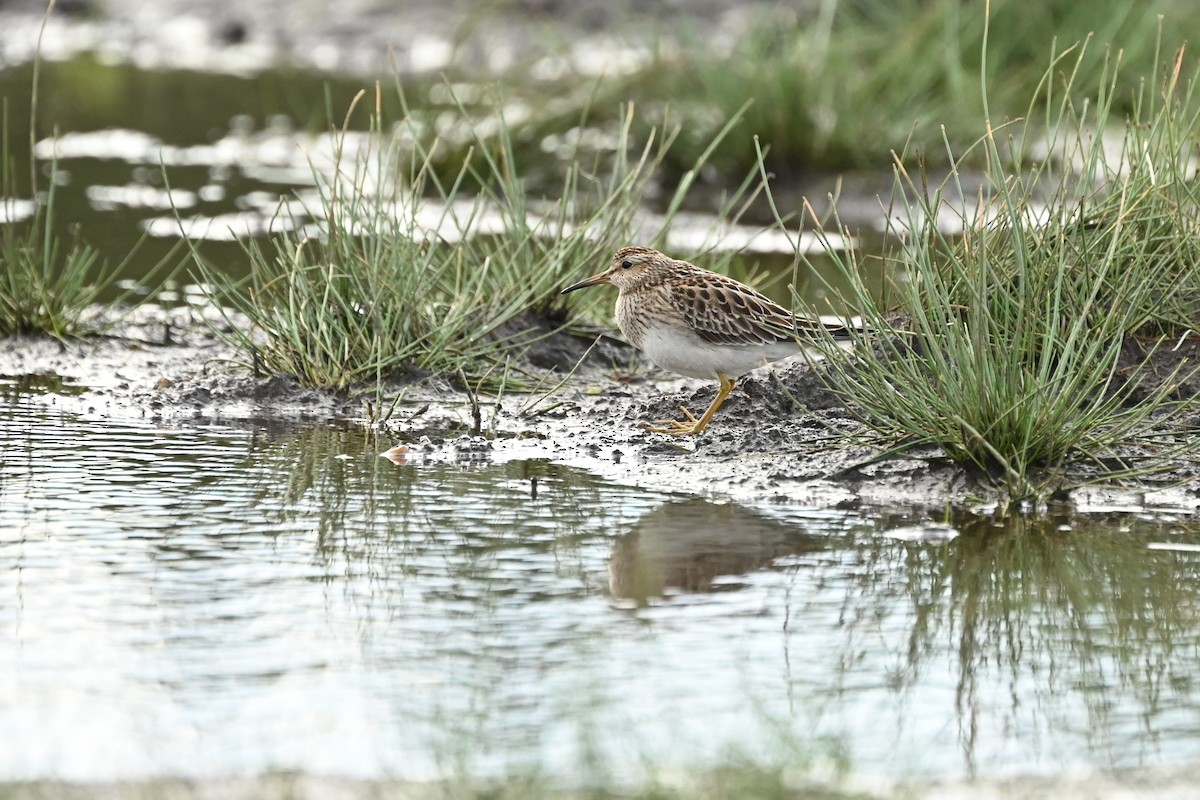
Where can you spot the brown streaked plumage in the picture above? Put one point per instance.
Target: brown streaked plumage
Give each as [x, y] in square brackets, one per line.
[699, 324]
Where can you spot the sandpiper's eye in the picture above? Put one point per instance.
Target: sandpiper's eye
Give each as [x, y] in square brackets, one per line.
[626, 264]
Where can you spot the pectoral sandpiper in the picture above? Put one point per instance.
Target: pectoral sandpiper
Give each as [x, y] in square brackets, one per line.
[700, 324]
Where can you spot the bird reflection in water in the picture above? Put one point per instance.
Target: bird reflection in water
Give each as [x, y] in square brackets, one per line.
[688, 545]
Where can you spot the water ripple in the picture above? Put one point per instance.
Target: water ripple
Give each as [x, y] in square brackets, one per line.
[209, 600]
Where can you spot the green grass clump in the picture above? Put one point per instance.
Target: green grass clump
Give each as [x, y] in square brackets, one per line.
[46, 285]
[50, 285]
[1014, 329]
[1147, 207]
[849, 82]
[408, 272]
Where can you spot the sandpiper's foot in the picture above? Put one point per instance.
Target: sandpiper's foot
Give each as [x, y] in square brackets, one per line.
[688, 427]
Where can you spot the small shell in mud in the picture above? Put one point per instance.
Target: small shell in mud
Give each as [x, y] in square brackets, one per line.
[397, 454]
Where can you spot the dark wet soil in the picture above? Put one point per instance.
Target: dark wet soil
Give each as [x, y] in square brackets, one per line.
[1171, 366]
[781, 437]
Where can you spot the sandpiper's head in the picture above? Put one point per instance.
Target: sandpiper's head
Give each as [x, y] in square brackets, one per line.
[631, 267]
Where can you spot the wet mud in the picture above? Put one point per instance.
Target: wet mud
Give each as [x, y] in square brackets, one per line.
[780, 438]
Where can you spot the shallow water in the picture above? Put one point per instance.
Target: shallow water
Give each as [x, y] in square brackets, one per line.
[209, 600]
[140, 155]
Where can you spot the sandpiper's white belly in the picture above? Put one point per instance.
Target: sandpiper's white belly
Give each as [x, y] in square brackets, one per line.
[685, 353]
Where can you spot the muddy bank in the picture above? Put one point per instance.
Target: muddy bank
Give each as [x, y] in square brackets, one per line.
[365, 37]
[773, 442]
[1177, 783]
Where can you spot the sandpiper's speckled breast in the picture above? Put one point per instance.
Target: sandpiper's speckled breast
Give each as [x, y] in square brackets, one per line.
[630, 318]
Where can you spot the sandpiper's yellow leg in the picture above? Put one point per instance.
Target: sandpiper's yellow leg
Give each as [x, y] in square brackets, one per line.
[692, 426]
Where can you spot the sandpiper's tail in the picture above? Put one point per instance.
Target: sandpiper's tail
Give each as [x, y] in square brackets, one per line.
[840, 328]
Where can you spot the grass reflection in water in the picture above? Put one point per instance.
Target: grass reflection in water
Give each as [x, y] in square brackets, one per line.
[443, 618]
